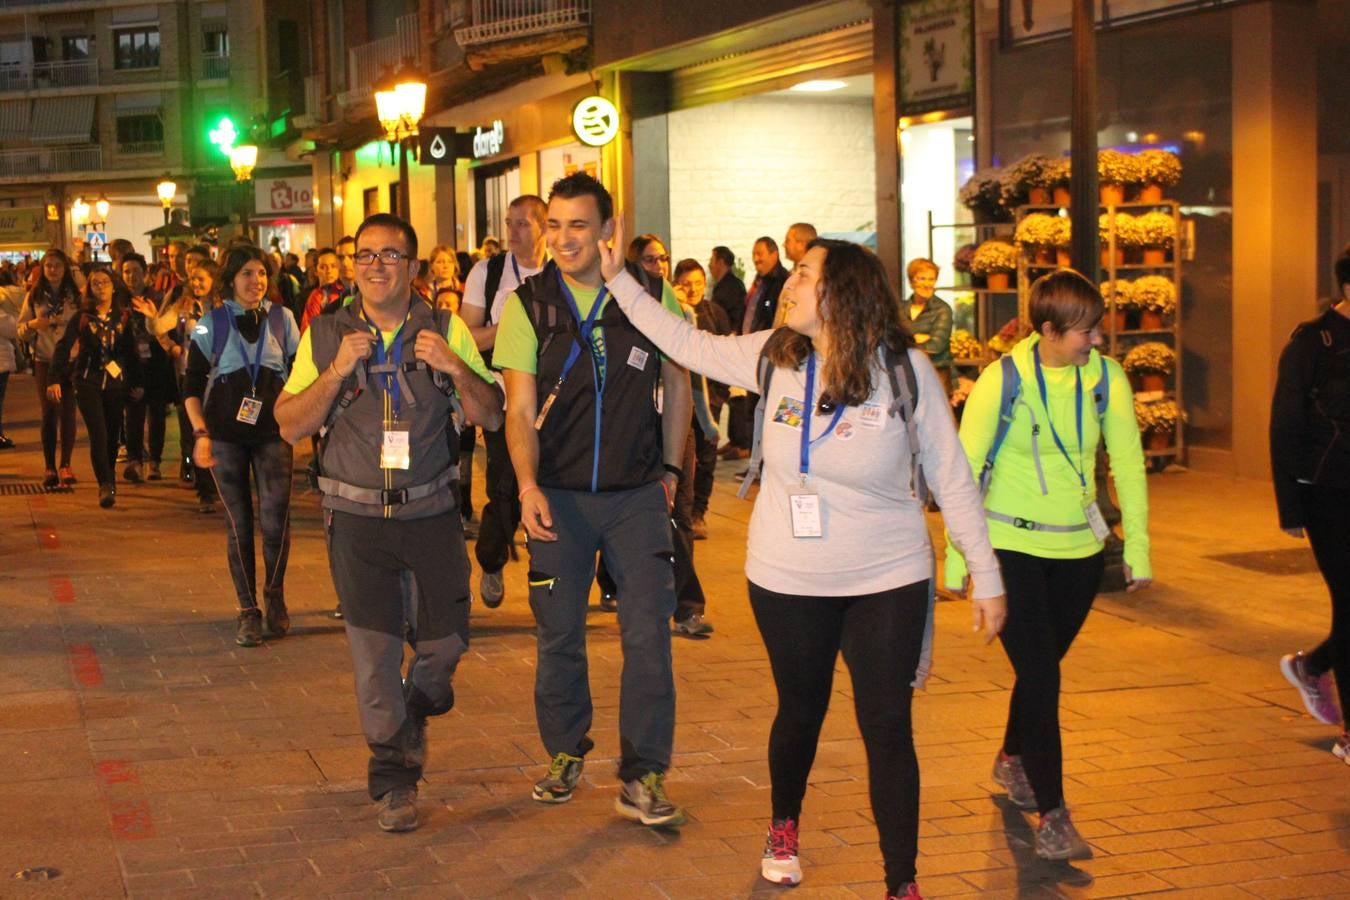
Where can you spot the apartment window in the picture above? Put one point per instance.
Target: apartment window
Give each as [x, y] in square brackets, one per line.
[136, 48]
[140, 133]
[215, 39]
[11, 54]
[75, 48]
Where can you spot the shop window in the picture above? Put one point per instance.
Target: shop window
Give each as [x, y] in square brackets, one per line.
[136, 48]
[75, 47]
[140, 133]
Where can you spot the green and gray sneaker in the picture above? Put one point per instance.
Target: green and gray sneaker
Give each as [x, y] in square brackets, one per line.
[563, 774]
[645, 801]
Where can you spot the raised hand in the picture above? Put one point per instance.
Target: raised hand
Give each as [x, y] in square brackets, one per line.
[611, 254]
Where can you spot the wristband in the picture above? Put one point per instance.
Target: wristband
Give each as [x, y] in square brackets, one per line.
[674, 470]
[533, 487]
[200, 433]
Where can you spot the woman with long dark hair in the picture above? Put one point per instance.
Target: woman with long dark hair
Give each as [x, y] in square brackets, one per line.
[841, 468]
[177, 321]
[98, 355]
[237, 364]
[50, 304]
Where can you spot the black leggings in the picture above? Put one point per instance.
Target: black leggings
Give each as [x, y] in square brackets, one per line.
[62, 413]
[1048, 601]
[1326, 513]
[102, 413]
[880, 635]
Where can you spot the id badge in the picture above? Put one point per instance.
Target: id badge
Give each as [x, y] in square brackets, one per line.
[113, 369]
[805, 506]
[1095, 520]
[249, 411]
[143, 349]
[395, 451]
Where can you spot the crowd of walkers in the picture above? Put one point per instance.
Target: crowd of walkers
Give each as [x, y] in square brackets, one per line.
[598, 372]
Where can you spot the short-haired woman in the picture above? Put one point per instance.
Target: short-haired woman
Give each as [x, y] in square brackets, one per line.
[1046, 527]
[52, 301]
[929, 317]
[230, 401]
[838, 473]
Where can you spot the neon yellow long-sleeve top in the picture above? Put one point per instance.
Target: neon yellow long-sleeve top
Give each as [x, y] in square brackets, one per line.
[1052, 493]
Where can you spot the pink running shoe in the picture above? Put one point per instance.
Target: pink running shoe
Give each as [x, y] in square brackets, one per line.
[1317, 690]
[780, 863]
[909, 891]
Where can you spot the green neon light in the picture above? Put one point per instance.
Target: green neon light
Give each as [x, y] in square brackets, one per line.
[224, 135]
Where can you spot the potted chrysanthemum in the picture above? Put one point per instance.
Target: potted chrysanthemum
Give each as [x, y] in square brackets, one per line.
[1118, 297]
[1158, 421]
[1150, 363]
[1155, 297]
[1127, 235]
[1024, 181]
[1115, 170]
[1158, 169]
[1037, 234]
[983, 196]
[1157, 235]
[1055, 178]
[995, 260]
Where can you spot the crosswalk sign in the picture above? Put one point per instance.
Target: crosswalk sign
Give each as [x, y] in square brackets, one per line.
[96, 240]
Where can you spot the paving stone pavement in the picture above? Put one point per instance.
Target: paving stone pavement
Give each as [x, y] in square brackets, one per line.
[148, 756]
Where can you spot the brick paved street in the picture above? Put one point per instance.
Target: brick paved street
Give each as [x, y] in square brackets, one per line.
[149, 756]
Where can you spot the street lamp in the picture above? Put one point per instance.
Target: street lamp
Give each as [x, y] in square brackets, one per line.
[101, 207]
[166, 190]
[242, 160]
[400, 101]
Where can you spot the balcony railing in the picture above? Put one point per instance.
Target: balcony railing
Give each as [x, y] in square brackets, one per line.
[500, 20]
[367, 62]
[70, 73]
[140, 148]
[28, 161]
[215, 66]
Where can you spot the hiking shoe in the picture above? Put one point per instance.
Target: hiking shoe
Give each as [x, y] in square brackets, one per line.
[693, 625]
[779, 863]
[609, 603]
[1056, 838]
[398, 810]
[491, 589]
[277, 618]
[155, 473]
[1341, 749]
[1317, 690]
[107, 496]
[1009, 774]
[337, 612]
[645, 801]
[699, 529]
[563, 774]
[132, 473]
[51, 479]
[908, 891]
[249, 633]
[68, 476]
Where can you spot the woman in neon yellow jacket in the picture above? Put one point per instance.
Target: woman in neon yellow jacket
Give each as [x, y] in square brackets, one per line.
[1044, 523]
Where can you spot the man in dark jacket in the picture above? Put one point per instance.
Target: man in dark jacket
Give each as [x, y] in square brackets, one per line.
[762, 303]
[728, 291]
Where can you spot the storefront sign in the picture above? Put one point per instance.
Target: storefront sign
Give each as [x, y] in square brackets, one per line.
[595, 121]
[937, 56]
[490, 142]
[1029, 21]
[24, 225]
[284, 196]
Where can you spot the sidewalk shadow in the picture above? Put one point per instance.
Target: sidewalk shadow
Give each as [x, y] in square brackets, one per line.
[1034, 874]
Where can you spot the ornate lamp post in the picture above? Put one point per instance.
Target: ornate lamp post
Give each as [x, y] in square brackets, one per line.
[400, 101]
[166, 190]
[243, 158]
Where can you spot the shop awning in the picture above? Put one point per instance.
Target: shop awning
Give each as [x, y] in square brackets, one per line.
[14, 120]
[63, 120]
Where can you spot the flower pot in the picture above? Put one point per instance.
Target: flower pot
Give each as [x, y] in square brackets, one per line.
[1150, 320]
[1155, 256]
[1038, 196]
[1062, 257]
[1045, 256]
[1159, 440]
[1153, 381]
[1062, 197]
[1134, 255]
[998, 281]
[1106, 257]
[1151, 193]
[1117, 321]
[1112, 194]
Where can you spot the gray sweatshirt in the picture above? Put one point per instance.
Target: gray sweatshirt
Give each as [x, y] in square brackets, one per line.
[874, 535]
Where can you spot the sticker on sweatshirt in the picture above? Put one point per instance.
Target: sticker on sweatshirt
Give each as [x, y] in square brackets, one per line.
[637, 358]
[872, 416]
[789, 412]
[844, 431]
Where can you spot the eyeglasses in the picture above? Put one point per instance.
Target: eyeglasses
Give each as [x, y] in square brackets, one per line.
[388, 257]
[656, 259]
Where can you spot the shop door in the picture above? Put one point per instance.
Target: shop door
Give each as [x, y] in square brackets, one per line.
[495, 186]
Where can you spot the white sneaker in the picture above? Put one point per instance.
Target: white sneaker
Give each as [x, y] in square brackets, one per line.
[491, 589]
[780, 864]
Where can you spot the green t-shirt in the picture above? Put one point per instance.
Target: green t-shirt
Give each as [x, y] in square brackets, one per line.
[517, 346]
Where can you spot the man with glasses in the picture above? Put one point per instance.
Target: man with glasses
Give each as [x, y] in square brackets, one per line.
[490, 282]
[372, 377]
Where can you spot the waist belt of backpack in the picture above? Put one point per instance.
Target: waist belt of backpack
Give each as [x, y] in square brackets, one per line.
[397, 497]
[1027, 524]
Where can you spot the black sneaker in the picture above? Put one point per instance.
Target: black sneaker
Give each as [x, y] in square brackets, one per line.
[155, 474]
[278, 619]
[609, 603]
[337, 612]
[645, 801]
[6, 443]
[563, 774]
[398, 810]
[693, 625]
[51, 479]
[132, 473]
[107, 496]
[249, 632]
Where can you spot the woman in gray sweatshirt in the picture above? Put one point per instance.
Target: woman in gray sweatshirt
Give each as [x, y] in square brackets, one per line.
[839, 557]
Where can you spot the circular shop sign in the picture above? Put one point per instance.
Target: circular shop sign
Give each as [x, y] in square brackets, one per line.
[595, 121]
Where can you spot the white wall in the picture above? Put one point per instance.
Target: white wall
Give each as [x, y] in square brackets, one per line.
[752, 167]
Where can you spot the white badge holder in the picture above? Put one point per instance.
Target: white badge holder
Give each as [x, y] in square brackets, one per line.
[1096, 521]
[250, 409]
[804, 505]
[395, 450]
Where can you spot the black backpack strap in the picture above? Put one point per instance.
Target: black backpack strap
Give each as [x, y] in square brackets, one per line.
[496, 267]
[905, 391]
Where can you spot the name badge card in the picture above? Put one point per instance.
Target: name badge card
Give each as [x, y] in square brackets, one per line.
[1096, 521]
[249, 411]
[113, 369]
[395, 451]
[805, 506]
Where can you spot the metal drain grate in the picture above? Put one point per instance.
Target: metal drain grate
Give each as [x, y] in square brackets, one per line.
[18, 488]
[1291, 561]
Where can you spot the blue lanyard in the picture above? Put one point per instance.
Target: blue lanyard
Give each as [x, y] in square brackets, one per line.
[394, 355]
[1078, 470]
[807, 443]
[515, 267]
[256, 366]
[587, 326]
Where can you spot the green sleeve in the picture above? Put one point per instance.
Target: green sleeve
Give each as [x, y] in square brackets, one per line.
[979, 422]
[517, 347]
[462, 345]
[1128, 471]
[303, 372]
[669, 300]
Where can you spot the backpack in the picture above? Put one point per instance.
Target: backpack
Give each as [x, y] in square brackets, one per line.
[1012, 391]
[904, 390]
[496, 267]
[222, 323]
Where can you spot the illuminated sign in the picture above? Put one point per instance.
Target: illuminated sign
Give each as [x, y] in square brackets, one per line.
[489, 143]
[224, 135]
[595, 121]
